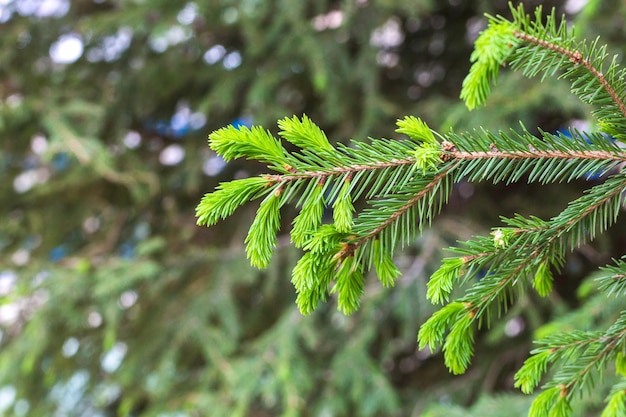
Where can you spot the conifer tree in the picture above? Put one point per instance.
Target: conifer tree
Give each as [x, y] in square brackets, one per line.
[384, 192]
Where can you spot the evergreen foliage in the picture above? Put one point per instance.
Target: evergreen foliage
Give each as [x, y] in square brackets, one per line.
[112, 301]
[385, 192]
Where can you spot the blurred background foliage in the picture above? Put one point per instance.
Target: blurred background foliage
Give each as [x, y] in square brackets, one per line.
[114, 303]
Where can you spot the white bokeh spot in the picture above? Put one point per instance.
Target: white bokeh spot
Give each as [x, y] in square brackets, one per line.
[67, 49]
[172, 155]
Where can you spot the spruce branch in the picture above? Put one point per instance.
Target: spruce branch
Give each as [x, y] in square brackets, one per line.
[531, 154]
[531, 248]
[584, 354]
[424, 199]
[384, 192]
[576, 58]
[548, 48]
[612, 279]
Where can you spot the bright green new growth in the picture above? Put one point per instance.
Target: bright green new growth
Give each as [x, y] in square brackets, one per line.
[442, 282]
[261, 239]
[416, 129]
[401, 185]
[343, 209]
[491, 50]
[616, 406]
[304, 133]
[543, 280]
[227, 198]
[256, 143]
